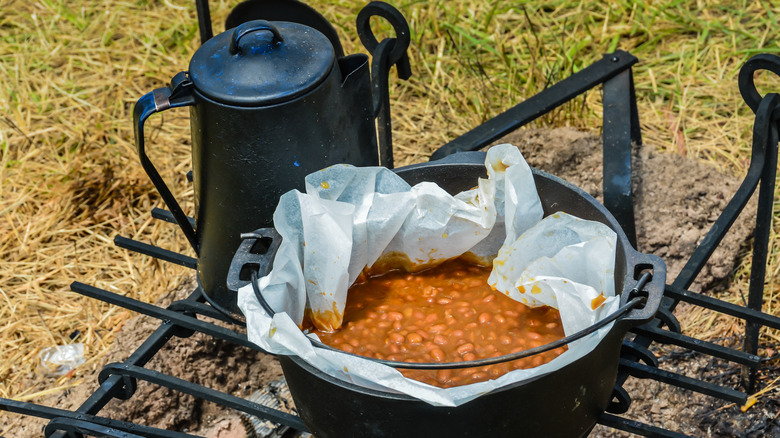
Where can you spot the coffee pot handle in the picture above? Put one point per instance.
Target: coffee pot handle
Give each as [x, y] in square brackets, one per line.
[161, 99]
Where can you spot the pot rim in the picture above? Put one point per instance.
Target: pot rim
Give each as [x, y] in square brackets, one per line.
[632, 259]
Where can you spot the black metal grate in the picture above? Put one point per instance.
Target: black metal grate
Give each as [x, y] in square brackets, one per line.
[621, 129]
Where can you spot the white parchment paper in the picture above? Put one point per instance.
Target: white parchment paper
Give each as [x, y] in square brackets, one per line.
[349, 217]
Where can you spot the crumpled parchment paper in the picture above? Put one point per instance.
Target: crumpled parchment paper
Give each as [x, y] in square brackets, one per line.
[351, 217]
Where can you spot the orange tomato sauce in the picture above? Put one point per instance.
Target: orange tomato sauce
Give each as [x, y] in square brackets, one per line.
[445, 314]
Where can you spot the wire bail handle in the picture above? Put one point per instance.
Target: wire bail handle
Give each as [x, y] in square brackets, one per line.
[646, 292]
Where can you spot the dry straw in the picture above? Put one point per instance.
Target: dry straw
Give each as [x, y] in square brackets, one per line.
[70, 73]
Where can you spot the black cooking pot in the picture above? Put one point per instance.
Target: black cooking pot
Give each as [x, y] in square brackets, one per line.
[564, 403]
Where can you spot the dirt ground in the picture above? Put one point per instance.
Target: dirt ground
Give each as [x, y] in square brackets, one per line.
[676, 202]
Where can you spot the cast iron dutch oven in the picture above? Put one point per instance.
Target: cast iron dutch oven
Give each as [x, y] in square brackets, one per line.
[564, 403]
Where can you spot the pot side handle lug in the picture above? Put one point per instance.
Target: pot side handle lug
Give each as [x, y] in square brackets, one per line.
[653, 290]
[255, 253]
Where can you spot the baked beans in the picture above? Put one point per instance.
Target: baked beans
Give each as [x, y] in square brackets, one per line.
[445, 314]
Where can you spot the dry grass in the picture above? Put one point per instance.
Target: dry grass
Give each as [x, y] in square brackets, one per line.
[70, 73]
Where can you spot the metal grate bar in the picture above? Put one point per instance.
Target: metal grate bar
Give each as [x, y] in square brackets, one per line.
[758, 160]
[763, 154]
[204, 20]
[766, 200]
[539, 104]
[712, 349]
[205, 310]
[203, 392]
[724, 307]
[156, 252]
[73, 427]
[668, 377]
[177, 318]
[47, 412]
[165, 215]
[621, 129]
[113, 387]
[638, 428]
[118, 385]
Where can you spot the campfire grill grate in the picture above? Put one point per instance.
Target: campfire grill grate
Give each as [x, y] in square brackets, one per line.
[621, 130]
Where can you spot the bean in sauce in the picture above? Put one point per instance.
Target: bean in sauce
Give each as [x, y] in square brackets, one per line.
[445, 314]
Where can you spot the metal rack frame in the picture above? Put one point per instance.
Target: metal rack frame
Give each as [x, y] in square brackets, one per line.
[621, 130]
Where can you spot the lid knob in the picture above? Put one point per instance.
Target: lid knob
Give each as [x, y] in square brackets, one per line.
[253, 26]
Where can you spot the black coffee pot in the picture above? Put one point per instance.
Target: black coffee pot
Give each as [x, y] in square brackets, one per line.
[270, 102]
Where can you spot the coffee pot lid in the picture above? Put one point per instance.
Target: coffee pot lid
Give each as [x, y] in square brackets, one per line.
[261, 63]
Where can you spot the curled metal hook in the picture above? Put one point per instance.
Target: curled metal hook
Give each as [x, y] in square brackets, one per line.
[747, 86]
[389, 52]
[397, 54]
